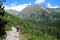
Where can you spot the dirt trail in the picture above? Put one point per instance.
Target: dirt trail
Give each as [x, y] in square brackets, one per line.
[12, 35]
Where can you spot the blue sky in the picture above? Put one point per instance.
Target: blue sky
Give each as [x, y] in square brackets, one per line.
[10, 4]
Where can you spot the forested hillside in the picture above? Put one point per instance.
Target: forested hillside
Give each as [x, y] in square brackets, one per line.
[32, 31]
[46, 19]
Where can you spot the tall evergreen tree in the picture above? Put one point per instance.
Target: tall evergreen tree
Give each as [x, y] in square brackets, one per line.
[3, 21]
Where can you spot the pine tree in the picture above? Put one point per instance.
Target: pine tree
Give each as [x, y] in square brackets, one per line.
[3, 21]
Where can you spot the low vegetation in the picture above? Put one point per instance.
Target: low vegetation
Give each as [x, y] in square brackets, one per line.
[32, 31]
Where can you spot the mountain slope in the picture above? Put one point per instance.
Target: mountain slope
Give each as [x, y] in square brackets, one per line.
[31, 31]
[45, 18]
[39, 14]
[13, 12]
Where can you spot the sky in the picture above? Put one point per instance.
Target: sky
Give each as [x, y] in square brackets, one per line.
[19, 5]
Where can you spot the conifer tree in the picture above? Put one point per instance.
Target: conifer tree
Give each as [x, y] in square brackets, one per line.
[3, 21]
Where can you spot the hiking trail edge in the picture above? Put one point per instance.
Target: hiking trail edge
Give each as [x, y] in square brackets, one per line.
[12, 35]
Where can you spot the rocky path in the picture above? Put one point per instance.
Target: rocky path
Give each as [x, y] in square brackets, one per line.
[12, 35]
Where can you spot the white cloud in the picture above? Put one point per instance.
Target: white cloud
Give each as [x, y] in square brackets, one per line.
[13, 4]
[17, 7]
[39, 1]
[49, 5]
